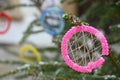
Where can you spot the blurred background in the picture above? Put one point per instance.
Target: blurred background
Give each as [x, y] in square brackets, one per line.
[20, 21]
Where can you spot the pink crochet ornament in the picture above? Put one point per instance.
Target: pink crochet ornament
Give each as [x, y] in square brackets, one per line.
[82, 46]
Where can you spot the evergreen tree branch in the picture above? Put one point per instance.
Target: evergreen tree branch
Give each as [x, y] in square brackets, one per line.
[27, 67]
[8, 7]
[73, 19]
[47, 49]
[64, 73]
[114, 60]
[11, 62]
[15, 71]
[10, 52]
[89, 10]
[29, 31]
[35, 32]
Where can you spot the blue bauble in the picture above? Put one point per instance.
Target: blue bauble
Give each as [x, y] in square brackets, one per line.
[51, 20]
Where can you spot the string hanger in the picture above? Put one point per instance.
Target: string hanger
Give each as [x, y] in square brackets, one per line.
[49, 3]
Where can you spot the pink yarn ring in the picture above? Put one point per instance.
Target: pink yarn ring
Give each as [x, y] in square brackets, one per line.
[92, 64]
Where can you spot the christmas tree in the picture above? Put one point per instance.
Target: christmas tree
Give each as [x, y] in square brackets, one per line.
[102, 14]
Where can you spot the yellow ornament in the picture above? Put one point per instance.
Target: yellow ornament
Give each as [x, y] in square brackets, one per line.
[29, 48]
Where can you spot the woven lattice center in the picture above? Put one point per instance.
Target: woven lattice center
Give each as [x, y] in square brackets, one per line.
[84, 47]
